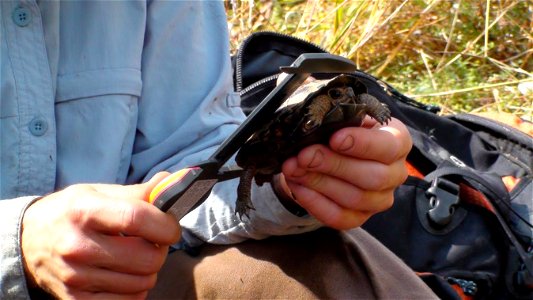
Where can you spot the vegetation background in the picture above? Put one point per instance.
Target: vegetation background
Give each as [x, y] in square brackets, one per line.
[464, 55]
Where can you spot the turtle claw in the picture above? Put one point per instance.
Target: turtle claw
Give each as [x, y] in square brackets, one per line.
[244, 201]
[383, 116]
[310, 125]
[374, 108]
[242, 208]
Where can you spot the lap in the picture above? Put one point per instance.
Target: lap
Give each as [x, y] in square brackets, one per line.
[321, 264]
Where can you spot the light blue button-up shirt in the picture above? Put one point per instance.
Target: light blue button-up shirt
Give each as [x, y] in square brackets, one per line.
[113, 92]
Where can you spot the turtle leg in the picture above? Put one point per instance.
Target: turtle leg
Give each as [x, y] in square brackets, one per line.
[244, 200]
[316, 112]
[375, 108]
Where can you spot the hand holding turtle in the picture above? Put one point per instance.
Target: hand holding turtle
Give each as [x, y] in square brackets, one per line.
[344, 184]
[309, 116]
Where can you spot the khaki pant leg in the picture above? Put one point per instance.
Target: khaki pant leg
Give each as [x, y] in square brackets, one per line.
[324, 264]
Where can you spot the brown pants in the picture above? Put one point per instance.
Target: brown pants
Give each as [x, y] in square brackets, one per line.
[322, 264]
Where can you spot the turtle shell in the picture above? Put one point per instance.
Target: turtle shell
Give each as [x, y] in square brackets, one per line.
[284, 136]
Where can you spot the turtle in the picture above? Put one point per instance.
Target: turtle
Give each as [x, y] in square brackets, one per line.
[309, 116]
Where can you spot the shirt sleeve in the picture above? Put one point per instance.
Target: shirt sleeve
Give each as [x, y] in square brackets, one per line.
[215, 221]
[187, 108]
[12, 277]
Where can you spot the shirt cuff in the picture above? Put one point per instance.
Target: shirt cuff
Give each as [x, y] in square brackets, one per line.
[269, 208]
[12, 277]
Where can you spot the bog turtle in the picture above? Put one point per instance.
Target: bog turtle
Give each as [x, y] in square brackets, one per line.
[309, 116]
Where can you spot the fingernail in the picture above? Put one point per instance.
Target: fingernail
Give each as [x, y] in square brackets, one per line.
[347, 143]
[317, 159]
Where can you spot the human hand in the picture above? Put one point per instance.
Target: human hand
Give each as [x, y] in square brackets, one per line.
[97, 241]
[345, 184]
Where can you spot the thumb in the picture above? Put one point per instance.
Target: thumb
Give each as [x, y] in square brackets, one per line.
[139, 191]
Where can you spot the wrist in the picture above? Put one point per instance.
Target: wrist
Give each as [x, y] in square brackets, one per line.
[31, 281]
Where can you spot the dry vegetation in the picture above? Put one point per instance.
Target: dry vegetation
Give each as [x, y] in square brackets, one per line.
[465, 55]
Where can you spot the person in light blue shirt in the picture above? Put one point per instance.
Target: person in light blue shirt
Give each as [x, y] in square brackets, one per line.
[100, 100]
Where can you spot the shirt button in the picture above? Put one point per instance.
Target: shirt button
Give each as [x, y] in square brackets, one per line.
[38, 126]
[21, 16]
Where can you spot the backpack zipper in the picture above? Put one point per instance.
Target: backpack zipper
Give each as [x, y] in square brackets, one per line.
[516, 136]
[386, 87]
[238, 63]
[260, 83]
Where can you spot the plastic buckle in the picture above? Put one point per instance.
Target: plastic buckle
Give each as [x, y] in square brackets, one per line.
[469, 287]
[443, 198]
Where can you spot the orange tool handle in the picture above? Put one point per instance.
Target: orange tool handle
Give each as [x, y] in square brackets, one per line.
[182, 191]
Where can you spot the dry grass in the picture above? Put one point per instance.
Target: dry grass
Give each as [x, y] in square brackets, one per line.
[464, 55]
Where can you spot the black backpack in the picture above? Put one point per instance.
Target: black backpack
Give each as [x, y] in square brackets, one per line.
[454, 221]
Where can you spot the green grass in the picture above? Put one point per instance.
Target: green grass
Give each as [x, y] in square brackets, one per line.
[464, 55]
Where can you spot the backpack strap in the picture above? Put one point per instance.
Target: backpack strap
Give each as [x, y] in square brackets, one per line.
[495, 192]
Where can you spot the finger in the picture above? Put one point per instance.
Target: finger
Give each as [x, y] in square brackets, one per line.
[122, 283]
[346, 194]
[115, 253]
[385, 144]
[109, 296]
[133, 218]
[326, 211]
[365, 174]
[138, 219]
[101, 280]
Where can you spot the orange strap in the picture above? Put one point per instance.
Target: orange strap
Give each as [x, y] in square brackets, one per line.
[413, 171]
[454, 286]
[460, 292]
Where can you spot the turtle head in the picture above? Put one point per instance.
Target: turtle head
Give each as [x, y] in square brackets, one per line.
[342, 94]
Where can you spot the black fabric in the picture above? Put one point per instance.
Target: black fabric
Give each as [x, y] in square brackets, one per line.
[257, 62]
[470, 249]
[261, 55]
[451, 240]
